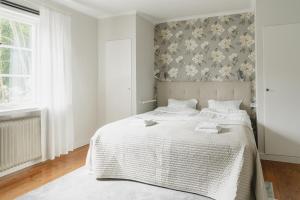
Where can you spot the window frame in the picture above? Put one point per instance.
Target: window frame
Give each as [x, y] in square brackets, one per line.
[33, 21]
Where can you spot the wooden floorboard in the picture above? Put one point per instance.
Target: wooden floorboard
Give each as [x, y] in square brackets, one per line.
[284, 176]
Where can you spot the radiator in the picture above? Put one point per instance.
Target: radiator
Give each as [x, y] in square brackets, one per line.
[20, 141]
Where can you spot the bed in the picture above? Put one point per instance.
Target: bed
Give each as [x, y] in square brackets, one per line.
[171, 154]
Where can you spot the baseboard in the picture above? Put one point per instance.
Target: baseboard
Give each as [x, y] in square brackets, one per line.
[19, 167]
[81, 144]
[280, 158]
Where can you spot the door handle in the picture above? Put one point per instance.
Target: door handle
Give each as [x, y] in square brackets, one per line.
[267, 89]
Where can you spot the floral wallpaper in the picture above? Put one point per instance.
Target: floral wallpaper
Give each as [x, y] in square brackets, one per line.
[206, 49]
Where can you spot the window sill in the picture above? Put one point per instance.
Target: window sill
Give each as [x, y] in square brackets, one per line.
[12, 112]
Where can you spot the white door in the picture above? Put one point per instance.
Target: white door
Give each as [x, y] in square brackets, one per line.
[281, 56]
[117, 79]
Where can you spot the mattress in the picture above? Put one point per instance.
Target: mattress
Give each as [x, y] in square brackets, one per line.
[172, 154]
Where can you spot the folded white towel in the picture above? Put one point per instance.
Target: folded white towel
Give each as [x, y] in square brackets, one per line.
[208, 127]
[149, 122]
[208, 131]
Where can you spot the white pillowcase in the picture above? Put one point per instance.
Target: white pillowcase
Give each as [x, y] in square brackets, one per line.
[224, 106]
[174, 103]
[181, 111]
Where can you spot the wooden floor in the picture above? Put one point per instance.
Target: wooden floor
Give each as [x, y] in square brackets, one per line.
[284, 176]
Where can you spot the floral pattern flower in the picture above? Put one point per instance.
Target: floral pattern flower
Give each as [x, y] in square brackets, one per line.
[172, 24]
[232, 29]
[198, 32]
[191, 45]
[225, 43]
[217, 29]
[156, 47]
[166, 34]
[225, 18]
[178, 59]
[251, 28]
[191, 70]
[198, 58]
[247, 69]
[178, 34]
[173, 72]
[173, 47]
[166, 58]
[225, 71]
[246, 40]
[232, 57]
[217, 56]
[252, 56]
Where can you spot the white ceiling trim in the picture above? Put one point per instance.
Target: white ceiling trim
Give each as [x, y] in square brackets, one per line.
[215, 14]
[84, 9]
[146, 17]
[153, 21]
[133, 12]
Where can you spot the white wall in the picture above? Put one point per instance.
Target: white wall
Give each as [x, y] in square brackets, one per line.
[85, 70]
[144, 64]
[269, 12]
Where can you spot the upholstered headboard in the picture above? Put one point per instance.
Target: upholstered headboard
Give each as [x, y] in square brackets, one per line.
[203, 91]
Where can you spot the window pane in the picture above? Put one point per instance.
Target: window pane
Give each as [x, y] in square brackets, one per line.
[15, 90]
[15, 61]
[15, 33]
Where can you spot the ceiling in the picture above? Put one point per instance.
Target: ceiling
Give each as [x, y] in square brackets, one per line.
[158, 10]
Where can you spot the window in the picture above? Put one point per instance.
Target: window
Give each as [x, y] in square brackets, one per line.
[16, 60]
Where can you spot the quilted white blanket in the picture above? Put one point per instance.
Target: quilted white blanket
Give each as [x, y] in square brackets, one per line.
[172, 154]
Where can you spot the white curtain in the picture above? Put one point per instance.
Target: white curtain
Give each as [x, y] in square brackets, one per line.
[54, 80]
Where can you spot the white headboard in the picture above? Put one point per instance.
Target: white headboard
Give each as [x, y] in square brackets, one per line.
[203, 91]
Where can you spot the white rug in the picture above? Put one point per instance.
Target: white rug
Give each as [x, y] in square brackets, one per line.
[81, 185]
[270, 192]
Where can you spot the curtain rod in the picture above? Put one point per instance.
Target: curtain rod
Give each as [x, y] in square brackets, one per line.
[20, 7]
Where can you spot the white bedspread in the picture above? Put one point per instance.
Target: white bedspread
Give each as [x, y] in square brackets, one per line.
[172, 155]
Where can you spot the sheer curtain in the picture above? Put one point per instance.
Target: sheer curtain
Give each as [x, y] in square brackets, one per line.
[54, 80]
[20, 63]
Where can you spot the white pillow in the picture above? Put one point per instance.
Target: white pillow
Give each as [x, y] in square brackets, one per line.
[174, 110]
[174, 103]
[224, 106]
